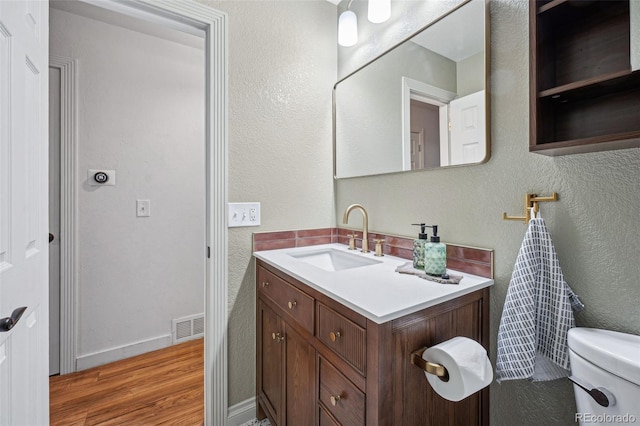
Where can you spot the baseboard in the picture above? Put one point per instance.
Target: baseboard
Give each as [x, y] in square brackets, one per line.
[115, 354]
[242, 412]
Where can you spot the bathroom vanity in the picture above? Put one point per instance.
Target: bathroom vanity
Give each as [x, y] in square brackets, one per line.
[334, 346]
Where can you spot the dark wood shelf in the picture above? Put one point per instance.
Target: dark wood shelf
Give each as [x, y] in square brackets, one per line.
[592, 144]
[595, 86]
[583, 94]
[551, 5]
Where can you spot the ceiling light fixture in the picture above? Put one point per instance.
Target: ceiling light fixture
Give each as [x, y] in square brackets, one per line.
[347, 27]
[379, 11]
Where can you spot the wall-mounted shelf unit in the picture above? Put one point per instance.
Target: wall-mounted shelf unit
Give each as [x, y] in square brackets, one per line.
[584, 76]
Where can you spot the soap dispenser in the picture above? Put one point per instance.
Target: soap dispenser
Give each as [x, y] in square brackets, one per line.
[418, 246]
[435, 255]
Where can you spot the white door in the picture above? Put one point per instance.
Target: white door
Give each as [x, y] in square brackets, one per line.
[417, 142]
[24, 33]
[468, 135]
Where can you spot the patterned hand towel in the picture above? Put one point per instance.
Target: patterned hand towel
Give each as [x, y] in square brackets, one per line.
[537, 314]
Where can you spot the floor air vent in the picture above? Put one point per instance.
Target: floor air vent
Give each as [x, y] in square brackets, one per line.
[188, 328]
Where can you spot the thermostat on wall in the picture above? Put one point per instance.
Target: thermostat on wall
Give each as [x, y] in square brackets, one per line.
[101, 177]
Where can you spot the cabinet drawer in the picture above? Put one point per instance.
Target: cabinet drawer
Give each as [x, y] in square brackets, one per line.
[342, 335]
[340, 397]
[325, 419]
[291, 300]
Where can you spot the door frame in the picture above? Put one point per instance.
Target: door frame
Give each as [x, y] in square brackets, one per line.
[414, 89]
[197, 19]
[68, 237]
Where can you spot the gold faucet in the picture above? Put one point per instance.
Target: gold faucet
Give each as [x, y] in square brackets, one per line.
[365, 224]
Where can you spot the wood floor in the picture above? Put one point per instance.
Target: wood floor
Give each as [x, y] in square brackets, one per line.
[164, 387]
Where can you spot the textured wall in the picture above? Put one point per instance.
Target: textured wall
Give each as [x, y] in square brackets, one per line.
[594, 224]
[282, 68]
[140, 112]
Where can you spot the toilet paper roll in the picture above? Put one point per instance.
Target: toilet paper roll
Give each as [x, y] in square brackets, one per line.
[468, 366]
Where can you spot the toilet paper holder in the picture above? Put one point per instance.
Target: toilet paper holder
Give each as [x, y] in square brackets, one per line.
[430, 367]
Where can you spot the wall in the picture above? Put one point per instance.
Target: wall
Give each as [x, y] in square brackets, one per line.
[470, 77]
[594, 224]
[141, 112]
[282, 68]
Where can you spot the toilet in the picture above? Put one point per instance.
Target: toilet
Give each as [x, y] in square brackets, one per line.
[605, 370]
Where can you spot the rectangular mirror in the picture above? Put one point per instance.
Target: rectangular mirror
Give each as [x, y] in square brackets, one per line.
[423, 104]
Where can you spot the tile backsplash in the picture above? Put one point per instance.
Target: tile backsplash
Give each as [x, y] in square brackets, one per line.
[472, 260]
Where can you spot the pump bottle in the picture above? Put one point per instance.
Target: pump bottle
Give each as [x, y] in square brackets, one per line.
[418, 247]
[435, 255]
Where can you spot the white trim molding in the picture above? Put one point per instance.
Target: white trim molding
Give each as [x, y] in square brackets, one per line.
[121, 352]
[242, 412]
[68, 209]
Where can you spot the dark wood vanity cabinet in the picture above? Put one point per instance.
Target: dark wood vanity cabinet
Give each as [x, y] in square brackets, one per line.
[320, 363]
[584, 77]
[286, 360]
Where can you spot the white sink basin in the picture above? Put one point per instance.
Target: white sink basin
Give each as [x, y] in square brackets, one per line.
[333, 260]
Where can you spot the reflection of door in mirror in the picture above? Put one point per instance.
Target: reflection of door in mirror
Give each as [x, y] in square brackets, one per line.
[425, 122]
[467, 143]
[425, 107]
[417, 156]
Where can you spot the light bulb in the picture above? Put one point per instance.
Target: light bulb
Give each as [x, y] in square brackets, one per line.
[379, 11]
[347, 29]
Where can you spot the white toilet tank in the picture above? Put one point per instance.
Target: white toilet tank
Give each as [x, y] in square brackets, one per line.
[609, 362]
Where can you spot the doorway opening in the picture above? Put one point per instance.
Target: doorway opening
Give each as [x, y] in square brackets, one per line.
[211, 26]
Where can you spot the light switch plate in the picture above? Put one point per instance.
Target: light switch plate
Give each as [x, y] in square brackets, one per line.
[244, 214]
[143, 208]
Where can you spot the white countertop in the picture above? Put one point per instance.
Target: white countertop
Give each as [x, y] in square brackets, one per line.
[375, 291]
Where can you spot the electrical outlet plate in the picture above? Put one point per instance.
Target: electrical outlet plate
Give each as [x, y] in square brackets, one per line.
[244, 214]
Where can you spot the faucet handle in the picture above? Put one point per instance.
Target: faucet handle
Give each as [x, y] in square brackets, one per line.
[352, 241]
[378, 242]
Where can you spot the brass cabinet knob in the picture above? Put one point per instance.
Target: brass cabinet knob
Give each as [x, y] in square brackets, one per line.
[335, 399]
[292, 304]
[265, 283]
[333, 336]
[277, 337]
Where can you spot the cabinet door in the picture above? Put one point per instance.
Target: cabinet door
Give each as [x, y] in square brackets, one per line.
[421, 405]
[270, 361]
[299, 379]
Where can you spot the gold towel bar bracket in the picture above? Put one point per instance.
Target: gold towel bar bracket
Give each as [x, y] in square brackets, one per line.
[430, 367]
[531, 201]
